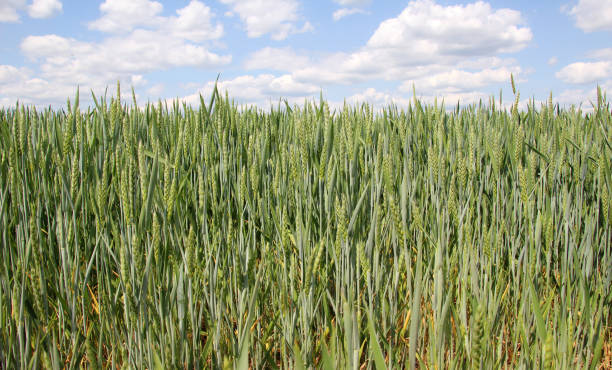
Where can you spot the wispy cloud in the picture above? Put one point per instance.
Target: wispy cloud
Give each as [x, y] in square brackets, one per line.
[345, 12]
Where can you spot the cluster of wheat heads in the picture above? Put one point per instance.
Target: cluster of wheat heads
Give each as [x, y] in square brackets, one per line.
[177, 237]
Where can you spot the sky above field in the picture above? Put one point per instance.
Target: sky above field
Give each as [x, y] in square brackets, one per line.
[353, 50]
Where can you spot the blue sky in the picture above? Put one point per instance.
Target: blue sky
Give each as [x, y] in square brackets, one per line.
[354, 50]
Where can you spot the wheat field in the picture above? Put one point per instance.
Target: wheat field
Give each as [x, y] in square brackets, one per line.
[220, 236]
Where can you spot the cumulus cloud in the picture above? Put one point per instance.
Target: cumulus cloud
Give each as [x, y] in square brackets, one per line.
[460, 30]
[585, 72]
[426, 39]
[44, 8]
[21, 84]
[193, 22]
[457, 80]
[592, 15]
[552, 61]
[278, 18]
[345, 12]
[453, 51]
[585, 75]
[123, 16]
[9, 9]
[139, 52]
[261, 90]
[132, 46]
[597, 70]
[10, 74]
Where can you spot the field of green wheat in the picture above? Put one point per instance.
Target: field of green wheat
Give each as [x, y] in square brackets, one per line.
[218, 236]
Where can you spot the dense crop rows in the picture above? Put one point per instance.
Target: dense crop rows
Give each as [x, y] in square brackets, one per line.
[169, 236]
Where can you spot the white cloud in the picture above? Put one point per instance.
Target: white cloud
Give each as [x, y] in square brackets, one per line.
[9, 9]
[437, 46]
[380, 99]
[134, 47]
[139, 52]
[286, 85]
[585, 72]
[278, 18]
[353, 2]
[44, 8]
[599, 70]
[455, 57]
[345, 12]
[10, 74]
[194, 22]
[451, 99]
[574, 96]
[260, 90]
[20, 84]
[461, 30]
[276, 59]
[605, 54]
[552, 61]
[592, 15]
[583, 98]
[445, 51]
[377, 98]
[123, 16]
[457, 80]
[24, 85]
[451, 51]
